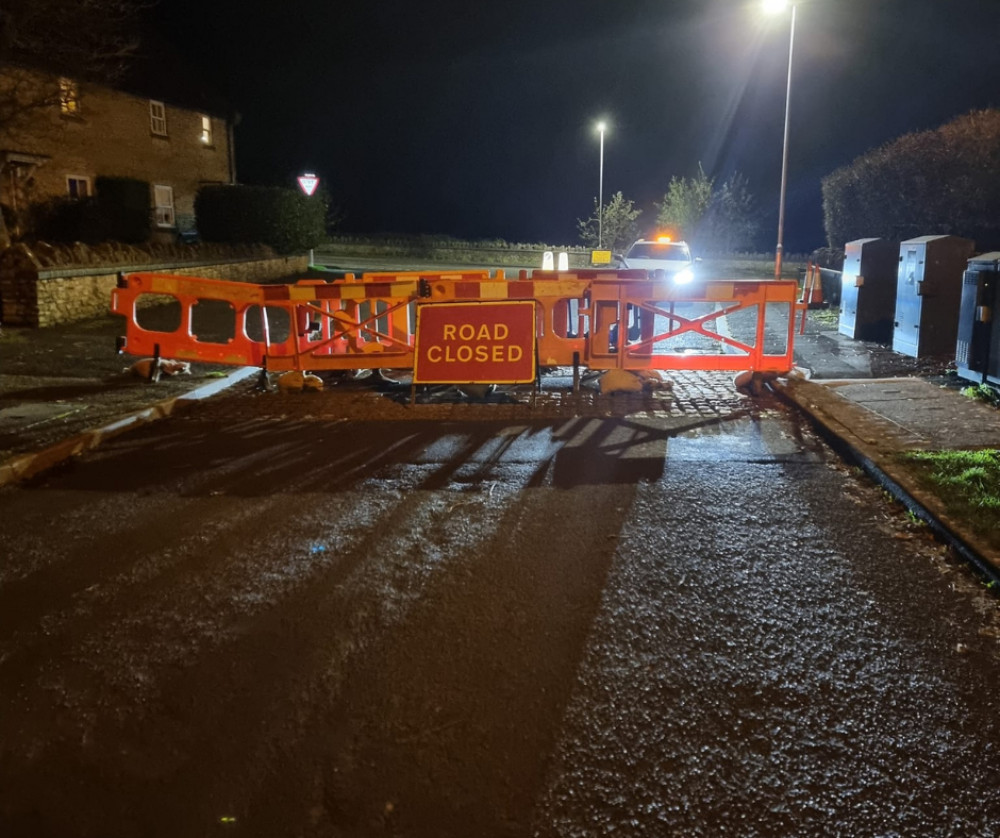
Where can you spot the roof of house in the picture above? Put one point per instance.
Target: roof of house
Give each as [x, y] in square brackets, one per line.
[156, 71]
[159, 71]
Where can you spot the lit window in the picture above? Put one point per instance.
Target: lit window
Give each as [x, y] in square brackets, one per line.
[163, 210]
[157, 118]
[77, 186]
[206, 130]
[69, 97]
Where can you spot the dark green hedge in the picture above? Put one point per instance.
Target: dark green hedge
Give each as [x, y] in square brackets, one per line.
[64, 220]
[945, 181]
[119, 211]
[285, 219]
[124, 209]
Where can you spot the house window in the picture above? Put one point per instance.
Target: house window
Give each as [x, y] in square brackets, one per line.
[163, 209]
[77, 186]
[157, 118]
[206, 130]
[69, 97]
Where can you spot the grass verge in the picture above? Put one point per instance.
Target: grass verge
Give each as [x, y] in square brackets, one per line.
[967, 482]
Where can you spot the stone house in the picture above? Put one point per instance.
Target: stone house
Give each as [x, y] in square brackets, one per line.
[79, 131]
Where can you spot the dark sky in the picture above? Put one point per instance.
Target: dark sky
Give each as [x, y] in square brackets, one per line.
[477, 119]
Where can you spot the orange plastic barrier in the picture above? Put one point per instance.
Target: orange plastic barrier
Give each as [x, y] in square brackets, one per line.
[602, 319]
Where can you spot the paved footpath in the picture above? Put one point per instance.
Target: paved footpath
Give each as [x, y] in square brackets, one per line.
[875, 421]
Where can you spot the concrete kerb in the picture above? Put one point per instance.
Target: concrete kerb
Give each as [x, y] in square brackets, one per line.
[24, 466]
[815, 400]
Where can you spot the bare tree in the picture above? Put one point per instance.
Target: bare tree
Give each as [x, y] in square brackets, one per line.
[43, 40]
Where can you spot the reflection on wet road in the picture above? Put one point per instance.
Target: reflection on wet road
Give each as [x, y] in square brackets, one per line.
[635, 625]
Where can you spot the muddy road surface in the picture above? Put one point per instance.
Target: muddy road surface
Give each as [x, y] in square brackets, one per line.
[687, 623]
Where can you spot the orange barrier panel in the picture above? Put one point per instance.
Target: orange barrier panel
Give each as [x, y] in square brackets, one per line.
[714, 325]
[604, 318]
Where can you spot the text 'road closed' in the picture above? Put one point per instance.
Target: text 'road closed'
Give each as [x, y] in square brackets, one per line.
[486, 343]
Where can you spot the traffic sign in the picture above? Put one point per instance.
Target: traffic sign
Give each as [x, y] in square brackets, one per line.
[475, 343]
[308, 183]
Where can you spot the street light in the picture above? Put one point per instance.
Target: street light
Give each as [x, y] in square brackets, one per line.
[776, 7]
[601, 127]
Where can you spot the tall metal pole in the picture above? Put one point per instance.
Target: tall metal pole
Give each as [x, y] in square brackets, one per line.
[784, 153]
[600, 195]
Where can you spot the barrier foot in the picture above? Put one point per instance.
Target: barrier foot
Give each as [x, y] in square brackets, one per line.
[154, 368]
[753, 383]
[576, 373]
[262, 380]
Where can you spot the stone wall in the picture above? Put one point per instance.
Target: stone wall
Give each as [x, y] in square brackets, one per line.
[515, 257]
[35, 296]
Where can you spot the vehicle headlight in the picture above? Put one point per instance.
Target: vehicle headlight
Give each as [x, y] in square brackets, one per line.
[683, 277]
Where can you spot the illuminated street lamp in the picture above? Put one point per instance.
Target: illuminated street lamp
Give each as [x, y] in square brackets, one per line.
[776, 7]
[601, 128]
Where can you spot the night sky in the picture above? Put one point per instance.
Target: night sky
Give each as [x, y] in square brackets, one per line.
[477, 119]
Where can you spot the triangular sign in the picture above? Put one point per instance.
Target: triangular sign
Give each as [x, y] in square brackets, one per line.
[308, 183]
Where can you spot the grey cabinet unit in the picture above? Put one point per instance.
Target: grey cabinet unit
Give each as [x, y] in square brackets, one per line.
[977, 351]
[868, 289]
[928, 293]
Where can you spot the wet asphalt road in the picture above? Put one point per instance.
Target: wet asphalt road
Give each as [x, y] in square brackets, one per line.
[580, 627]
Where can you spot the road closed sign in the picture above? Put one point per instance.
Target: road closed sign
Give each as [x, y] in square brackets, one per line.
[475, 343]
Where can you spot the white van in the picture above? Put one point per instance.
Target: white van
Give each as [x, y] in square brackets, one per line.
[662, 254]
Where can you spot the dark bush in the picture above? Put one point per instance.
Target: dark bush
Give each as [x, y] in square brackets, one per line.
[123, 208]
[945, 181]
[828, 257]
[65, 220]
[285, 219]
[120, 211]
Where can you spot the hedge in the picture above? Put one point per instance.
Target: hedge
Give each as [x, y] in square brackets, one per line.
[123, 209]
[119, 211]
[942, 181]
[285, 219]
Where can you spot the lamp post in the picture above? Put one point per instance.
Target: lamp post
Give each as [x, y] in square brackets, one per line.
[601, 128]
[775, 7]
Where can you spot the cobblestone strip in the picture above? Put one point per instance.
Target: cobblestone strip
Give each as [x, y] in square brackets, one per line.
[693, 395]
